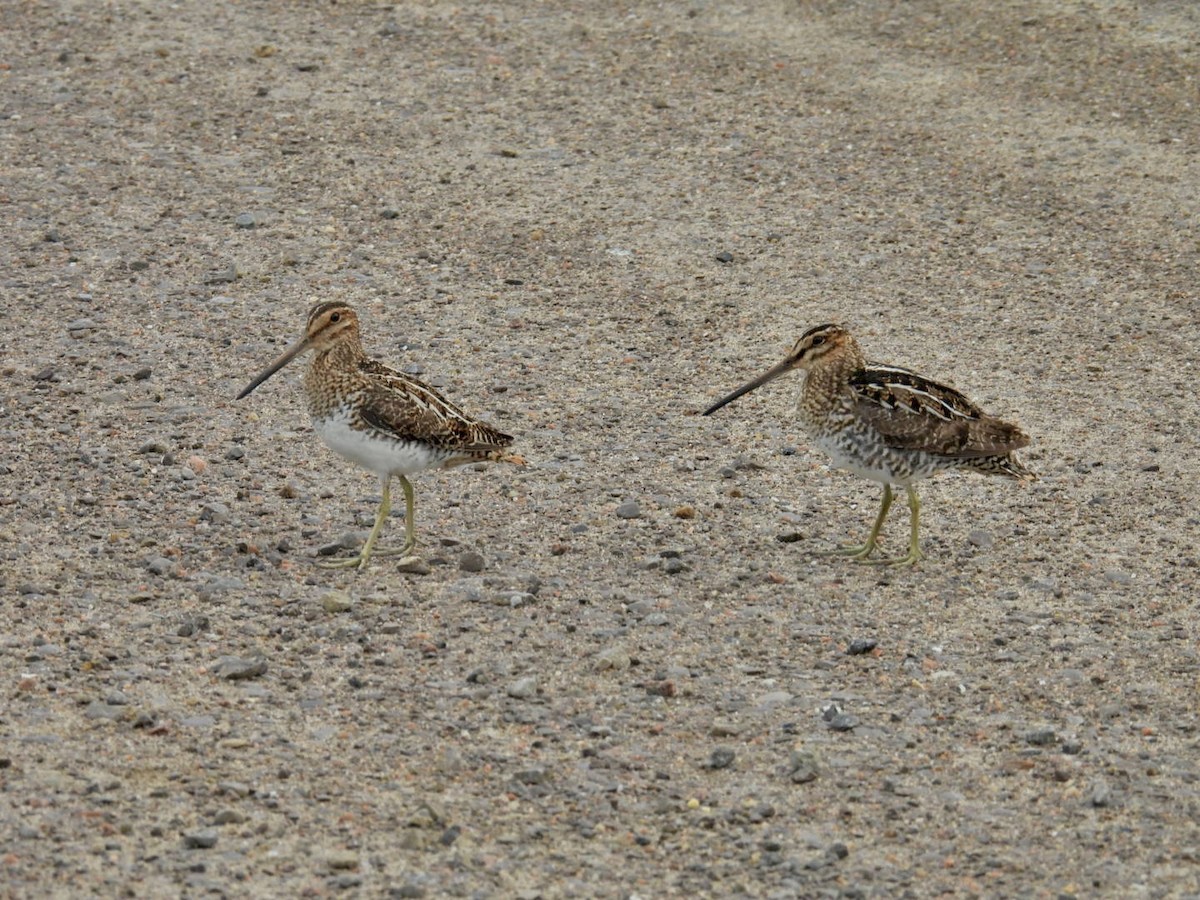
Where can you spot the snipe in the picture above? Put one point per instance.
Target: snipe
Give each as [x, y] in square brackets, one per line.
[385, 421]
[890, 425]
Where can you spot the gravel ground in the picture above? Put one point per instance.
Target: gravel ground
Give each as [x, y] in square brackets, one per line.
[624, 673]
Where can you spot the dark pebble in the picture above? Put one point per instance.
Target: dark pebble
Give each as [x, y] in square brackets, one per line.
[861, 645]
[410, 891]
[200, 840]
[724, 257]
[721, 758]
[143, 373]
[471, 561]
[1041, 737]
[843, 722]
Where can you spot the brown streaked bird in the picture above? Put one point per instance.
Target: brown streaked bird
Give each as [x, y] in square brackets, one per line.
[385, 421]
[890, 425]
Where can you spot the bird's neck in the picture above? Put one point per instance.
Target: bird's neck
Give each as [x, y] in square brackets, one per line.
[827, 393]
[326, 378]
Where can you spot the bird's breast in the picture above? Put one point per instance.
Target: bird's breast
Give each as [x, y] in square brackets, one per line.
[379, 453]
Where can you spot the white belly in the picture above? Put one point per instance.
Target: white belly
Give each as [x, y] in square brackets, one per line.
[376, 454]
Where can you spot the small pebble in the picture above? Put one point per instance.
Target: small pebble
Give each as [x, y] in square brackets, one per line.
[859, 646]
[523, 688]
[844, 722]
[342, 860]
[1041, 737]
[336, 602]
[1101, 794]
[159, 565]
[981, 539]
[471, 561]
[613, 658]
[803, 766]
[237, 668]
[245, 220]
[200, 840]
[720, 758]
[629, 510]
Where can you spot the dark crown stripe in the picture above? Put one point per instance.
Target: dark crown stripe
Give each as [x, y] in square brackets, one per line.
[321, 308]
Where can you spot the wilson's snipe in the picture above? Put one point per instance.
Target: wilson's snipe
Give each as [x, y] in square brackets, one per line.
[384, 420]
[889, 424]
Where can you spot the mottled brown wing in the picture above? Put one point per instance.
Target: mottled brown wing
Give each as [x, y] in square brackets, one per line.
[406, 407]
[912, 412]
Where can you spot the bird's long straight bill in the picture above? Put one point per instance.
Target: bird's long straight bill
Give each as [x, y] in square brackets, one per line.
[288, 355]
[769, 375]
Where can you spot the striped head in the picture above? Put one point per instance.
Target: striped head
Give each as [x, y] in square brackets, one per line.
[816, 348]
[329, 324]
[821, 344]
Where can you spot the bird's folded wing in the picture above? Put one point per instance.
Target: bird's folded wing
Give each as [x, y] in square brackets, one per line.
[912, 412]
[408, 409]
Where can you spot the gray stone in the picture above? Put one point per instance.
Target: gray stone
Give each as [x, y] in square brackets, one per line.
[159, 565]
[613, 658]
[981, 539]
[342, 860]
[336, 602]
[536, 775]
[720, 758]
[237, 668]
[471, 561]
[200, 840]
[629, 510]
[98, 709]
[216, 513]
[1041, 737]
[859, 646]
[803, 766]
[523, 688]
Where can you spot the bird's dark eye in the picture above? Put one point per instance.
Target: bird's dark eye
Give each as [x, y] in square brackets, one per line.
[336, 317]
[818, 340]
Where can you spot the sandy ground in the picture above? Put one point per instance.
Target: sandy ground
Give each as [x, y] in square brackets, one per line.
[625, 672]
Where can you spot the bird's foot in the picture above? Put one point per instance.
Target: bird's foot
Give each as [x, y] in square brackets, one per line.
[858, 552]
[358, 561]
[909, 559]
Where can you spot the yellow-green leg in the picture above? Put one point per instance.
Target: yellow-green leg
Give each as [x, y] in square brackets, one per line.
[410, 525]
[361, 559]
[863, 551]
[914, 542]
